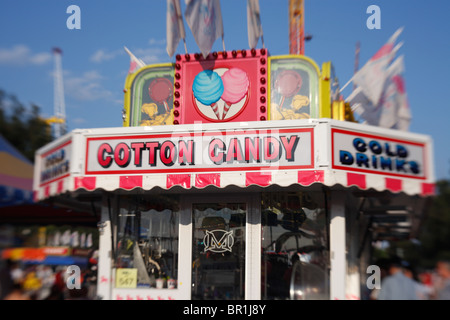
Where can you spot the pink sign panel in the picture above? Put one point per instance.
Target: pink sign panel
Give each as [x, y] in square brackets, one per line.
[226, 86]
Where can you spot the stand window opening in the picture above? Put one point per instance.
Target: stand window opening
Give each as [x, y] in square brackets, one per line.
[146, 252]
[295, 259]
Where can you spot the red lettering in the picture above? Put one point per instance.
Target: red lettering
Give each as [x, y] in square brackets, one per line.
[137, 147]
[272, 150]
[234, 151]
[152, 147]
[167, 153]
[186, 152]
[252, 150]
[122, 155]
[104, 155]
[290, 146]
[217, 157]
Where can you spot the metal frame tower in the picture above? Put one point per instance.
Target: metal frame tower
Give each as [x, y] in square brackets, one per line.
[296, 27]
[59, 117]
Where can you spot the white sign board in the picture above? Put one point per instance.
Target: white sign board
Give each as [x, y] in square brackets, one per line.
[255, 149]
[377, 154]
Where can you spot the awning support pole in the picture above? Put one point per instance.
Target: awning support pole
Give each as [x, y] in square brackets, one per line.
[338, 270]
[104, 277]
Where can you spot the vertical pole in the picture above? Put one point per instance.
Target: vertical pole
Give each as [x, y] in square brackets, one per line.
[253, 249]
[356, 61]
[58, 95]
[185, 265]
[104, 279]
[296, 27]
[338, 270]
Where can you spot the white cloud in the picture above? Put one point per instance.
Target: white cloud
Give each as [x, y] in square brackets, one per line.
[102, 55]
[87, 87]
[151, 55]
[21, 55]
[156, 42]
[79, 121]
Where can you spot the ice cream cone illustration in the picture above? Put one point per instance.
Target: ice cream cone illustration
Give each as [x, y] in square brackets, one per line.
[235, 82]
[208, 89]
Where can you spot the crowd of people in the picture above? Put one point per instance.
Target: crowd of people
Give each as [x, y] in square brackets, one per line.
[44, 282]
[401, 282]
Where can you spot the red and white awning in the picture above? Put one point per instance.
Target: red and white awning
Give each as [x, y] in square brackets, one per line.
[282, 153]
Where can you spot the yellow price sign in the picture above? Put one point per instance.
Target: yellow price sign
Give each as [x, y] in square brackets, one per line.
[126, 278]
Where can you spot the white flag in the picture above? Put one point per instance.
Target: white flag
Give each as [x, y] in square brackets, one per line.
[392, 111]
[372, 76]
[395, 112]
[404, 112]
[174, 26]
[254, 27]
[363, 107]
[135, 63]
[204, 18]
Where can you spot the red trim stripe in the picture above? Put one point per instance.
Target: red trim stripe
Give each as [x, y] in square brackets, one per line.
[428, 189]
[262, 179]
[204, 180]
[356, 179]
[130, 182]
[308, 177]
[47, 191]
[88, 183]
[394, 185]
[183, 180]
[60, 187]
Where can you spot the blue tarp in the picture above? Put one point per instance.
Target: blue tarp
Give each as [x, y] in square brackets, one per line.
[60, 261]
[15, 182]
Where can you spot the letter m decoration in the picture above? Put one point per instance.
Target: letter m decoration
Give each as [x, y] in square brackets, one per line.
[225, 243]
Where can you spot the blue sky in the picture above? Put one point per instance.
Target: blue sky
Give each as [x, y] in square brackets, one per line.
[95, 63]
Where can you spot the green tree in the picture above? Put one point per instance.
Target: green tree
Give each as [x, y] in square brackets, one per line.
[435, 235]
[23, 127]
[433, 241]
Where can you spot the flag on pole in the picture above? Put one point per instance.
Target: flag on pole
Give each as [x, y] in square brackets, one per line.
[204, 18]
[254, 26]
[392, 111]
[404, 112]
[363, 107]
[372, 76]
[135, 63]
[174, 26]
[395, 112]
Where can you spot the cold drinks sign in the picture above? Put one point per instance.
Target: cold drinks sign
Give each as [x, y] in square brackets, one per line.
[361, 152]
[200, 152]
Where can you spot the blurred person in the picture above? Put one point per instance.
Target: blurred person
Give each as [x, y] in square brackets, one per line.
[423, 291]
[383, 264]
[17, 273]
[32, 284]
[60, 281]
[90, 279]
[47, 279]
[397, 286]
[443, 271]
